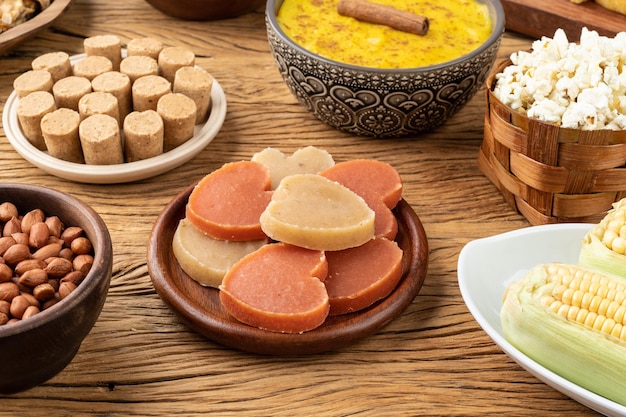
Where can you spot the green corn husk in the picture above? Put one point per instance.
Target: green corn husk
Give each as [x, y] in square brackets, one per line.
[585, 356]
[597, 251]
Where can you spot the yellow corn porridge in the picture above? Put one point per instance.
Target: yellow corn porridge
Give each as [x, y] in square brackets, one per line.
[457, 27]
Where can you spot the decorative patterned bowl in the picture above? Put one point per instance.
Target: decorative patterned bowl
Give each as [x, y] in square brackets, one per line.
[382, 103]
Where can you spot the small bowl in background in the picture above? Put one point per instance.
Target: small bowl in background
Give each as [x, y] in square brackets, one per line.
[205, 9]
[382, 102]
[37, 348]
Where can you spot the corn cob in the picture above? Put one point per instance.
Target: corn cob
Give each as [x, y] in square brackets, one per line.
[572, 321]
[604, 246]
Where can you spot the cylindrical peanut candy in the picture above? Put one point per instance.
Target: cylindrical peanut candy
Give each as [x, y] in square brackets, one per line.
[101, 141]
[60, 132]
[69, 90]
[33, 80]
[30, 110]
[137, 66]
[92, 66]
[148, 90]
[195, 83]
[144, 46]
[143, 135]
[172, 58]
[119, 85]
[56, 63]
[108, 46]
[179, 119]
[99, 102]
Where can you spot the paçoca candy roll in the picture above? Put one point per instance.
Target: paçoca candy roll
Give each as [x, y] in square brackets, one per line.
[143, 135]
[60, 132]
[196, 83]
[109, 46]
[119, 85]
[179, 119]
[56, 63]
[101, 140]
[30, 110]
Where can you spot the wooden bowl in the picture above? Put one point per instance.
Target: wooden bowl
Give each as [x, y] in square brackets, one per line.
[205, 9]
[27, 30]
[37, 348]
[200, 308]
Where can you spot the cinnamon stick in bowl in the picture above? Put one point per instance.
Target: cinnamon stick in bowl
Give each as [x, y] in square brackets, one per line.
[379, 14]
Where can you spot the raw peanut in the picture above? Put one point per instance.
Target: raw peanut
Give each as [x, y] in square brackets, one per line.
[16, 253]
[71, 233]
[58, 267]
[75, 277]
[21, 287]
[5, 307]
[65, 288]
[32, 217]
[55, 225]
[30, 311]
[81, 246]
[33, 278]
[27, 265]
[7, 210]
[66, 253]
[19, 304]
[31, 282]
[49, 303]
[83, 264]
[39, 234]
[44, 291]
[55, 283]
[21, 238]
[5, 273]
[12, 226]
[5, 243]
[48, 251]
[54, 239]
[32, 300]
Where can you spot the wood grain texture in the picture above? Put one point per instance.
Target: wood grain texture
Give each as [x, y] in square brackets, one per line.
[539, 18]
[140, 360]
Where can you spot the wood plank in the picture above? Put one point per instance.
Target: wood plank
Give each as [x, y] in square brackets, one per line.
[537, 18]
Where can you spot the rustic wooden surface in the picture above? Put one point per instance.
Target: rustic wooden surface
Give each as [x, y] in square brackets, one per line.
[539, 18]
[140, 360]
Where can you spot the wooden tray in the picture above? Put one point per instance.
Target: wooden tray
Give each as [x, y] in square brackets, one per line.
[27, 30]
[538, 18]
[200, 308]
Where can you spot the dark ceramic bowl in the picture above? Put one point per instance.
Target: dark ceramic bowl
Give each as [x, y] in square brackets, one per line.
[205, 9]
[382, 102]
[37, 348]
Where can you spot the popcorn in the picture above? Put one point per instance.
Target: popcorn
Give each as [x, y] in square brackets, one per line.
[575, 85]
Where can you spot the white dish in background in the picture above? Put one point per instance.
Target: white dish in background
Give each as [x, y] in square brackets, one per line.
[118, 173]
[485, 268]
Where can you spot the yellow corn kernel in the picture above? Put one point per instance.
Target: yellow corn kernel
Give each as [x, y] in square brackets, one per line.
[610, 228]
[587, 298]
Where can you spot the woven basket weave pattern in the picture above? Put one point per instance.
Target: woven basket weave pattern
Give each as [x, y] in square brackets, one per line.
[547, 173]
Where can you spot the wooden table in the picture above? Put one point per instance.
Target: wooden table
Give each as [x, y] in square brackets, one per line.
[140, 360]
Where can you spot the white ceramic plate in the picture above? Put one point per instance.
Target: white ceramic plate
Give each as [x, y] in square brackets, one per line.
[485, 268]
[119, 173]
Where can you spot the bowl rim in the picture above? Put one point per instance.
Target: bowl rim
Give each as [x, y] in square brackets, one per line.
[102, 258]
[497, 32]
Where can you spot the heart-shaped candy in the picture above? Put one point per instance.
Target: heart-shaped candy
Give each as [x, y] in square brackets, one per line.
[313, 212]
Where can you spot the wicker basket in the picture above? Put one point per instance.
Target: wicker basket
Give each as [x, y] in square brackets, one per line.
[547, 173]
